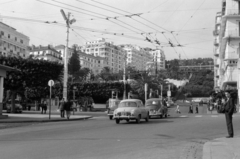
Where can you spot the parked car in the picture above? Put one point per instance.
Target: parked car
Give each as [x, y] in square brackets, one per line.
[112, 105]
[156, 108]
[131, 109]
[18, 106]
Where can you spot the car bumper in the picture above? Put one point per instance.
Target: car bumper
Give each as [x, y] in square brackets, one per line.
[124, 117]
[155, 114]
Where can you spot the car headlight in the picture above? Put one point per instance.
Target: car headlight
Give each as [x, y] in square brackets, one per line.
[132, 113]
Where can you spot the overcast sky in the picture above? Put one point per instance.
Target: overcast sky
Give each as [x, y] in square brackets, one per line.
[188, 23]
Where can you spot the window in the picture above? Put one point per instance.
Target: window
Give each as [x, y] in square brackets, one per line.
[21, 41]
[15, 38]
[9, 36]
[2, 33]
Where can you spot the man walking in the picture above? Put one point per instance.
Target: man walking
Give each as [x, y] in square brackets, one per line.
[61, 108]
[229, 109]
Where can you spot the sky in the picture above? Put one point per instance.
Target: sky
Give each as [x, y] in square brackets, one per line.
[184, 28]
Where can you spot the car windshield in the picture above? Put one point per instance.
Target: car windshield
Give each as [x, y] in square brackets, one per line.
[128, 104]
[114, 103]
[153, 102]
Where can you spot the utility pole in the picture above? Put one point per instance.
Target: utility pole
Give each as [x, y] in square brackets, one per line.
[124, 77]
[65, 73]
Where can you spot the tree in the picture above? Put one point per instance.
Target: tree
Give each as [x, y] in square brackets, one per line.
[31, 79]
[74, 62]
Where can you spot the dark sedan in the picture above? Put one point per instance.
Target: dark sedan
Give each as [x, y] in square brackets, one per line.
[156, 108]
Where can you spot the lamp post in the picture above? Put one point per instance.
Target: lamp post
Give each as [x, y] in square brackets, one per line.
[65, 73]
[124, 77]
[200, 66]
[74, 89]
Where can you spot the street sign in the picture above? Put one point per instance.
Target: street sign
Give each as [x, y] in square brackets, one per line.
[50, 83]
[169, 93]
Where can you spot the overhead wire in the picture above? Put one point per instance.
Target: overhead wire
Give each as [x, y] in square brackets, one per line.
[157, 6]
[193, 14]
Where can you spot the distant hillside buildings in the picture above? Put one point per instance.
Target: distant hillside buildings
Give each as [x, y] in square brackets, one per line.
[94, 55]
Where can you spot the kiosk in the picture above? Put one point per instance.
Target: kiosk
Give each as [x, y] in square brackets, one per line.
[3, 73]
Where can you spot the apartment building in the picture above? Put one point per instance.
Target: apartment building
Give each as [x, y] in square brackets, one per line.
[13, 43]
[94, 63]
[226, 43]
[158, 58]
[48, 53]
[136, 56]
[113, 55]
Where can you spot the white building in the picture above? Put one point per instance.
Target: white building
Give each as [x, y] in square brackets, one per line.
[158, 58]
[136, 56]
[113, 55]
[13, 43]
[45, 53]
[94, 63]
[227, 39]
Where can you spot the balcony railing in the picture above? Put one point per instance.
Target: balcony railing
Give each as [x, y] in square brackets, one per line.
[232, 12]
[232, 33]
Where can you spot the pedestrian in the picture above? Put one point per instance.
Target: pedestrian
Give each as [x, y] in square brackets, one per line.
[178, 109]
[197, 108]
[61, 107]
[229, 109]
[44, 106]
[67, 108]
[190, 108]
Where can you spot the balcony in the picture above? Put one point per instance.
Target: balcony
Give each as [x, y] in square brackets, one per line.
[235, 12]
[216, 42]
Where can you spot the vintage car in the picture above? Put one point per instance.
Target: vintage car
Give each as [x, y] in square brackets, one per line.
[18, 106]
[131, 109]
[112, 105]
[156, 108]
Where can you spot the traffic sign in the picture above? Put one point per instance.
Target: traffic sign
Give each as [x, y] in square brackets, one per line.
[50, 83]
[169, 93]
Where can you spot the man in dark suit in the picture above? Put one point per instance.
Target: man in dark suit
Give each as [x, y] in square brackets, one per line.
[229, 109]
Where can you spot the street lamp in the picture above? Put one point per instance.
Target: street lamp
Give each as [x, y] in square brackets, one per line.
[65, 73]
[74, 89]
[200, 65]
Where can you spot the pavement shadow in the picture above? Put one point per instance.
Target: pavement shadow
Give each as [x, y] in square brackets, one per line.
[149, 122]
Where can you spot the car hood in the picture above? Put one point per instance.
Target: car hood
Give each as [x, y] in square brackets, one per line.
[126, 109]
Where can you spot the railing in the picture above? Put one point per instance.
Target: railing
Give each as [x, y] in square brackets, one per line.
[232, 12]
[230, 33]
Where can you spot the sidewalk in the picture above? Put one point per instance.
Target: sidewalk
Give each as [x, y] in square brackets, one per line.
[26, 117]
[222, 148]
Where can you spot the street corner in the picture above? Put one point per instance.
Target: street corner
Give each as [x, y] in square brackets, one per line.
[222, 148]
[14, 119]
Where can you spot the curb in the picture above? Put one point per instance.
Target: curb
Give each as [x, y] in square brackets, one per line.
[45, 121]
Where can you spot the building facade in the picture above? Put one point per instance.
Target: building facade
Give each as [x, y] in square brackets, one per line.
[113, 55]
[226, 43]
[13, 43]
[45, 53]
[136, 56]
[94, 63]
[158, 58]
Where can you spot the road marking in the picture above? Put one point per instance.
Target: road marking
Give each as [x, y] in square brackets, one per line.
[99, 117]
[183, 116]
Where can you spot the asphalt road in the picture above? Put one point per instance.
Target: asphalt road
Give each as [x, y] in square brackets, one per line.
[178, 136]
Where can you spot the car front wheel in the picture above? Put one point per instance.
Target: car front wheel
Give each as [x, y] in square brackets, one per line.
[147, 118]
[110, 117]
[117, 121]
[138, 119]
